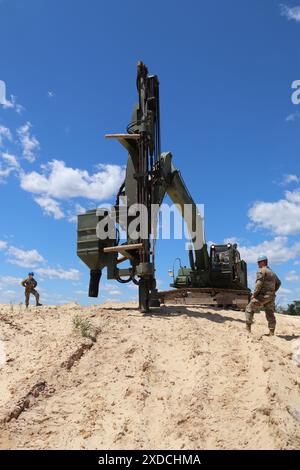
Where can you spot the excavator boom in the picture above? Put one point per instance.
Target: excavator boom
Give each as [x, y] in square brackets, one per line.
[172, 183]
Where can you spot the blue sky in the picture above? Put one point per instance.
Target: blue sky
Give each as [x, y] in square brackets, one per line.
[225, 69]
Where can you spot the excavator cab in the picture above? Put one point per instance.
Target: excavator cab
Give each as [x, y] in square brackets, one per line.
[227, 269]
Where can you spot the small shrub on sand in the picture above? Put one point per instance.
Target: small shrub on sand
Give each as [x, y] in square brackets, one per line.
[82, 325]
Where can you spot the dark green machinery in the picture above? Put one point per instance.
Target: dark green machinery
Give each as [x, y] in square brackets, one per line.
[225, 270]
[226, 280]
[150, 175]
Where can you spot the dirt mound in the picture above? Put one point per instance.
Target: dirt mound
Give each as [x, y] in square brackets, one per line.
[107, 377]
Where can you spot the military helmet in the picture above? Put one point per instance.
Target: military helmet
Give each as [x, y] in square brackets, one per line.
[30, 274]
[262, 258]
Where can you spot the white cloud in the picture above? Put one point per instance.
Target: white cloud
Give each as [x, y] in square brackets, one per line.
[59, 273]
[29, 143]
[13, 104]
[50, 94]
[277, 250]
[287, 179]
[4, 173]
[10, 159]
[30, 259]
[132, 287]
[9, 281]
[8, 164]
[33, 259]
[251, 279]
[72, 217]
[291, 13]
[284, 291]
[115, 292]
[284, 296]
[231, 240]
[9, 296]
[57, 181]
[79, 209]
[50, 207]
[293, 117]
[62, 182]
[81, 292]
[3, 245]
[24, 258]
[111, 290]
[4, 134]
[282, 217]
[293, 196]
[292, 276]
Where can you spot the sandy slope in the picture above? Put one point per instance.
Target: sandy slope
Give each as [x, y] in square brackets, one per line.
[185, 378]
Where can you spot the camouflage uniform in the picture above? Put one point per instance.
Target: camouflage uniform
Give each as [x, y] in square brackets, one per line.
[30, 285]
[267, 283]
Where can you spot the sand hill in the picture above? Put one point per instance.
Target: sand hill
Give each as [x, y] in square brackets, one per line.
[184, 378]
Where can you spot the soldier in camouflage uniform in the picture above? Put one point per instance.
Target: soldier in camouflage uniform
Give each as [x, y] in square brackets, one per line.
[267, 284]
[30, 284]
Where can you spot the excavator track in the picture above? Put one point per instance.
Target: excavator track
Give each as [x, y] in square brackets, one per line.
[226, 298]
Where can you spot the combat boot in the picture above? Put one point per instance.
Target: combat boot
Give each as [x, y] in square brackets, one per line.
[38, 304]
[248, 327]
[272, 331]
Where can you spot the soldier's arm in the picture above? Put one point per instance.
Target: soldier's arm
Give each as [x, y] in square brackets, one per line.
[23, 283]
[259, 283]
[277, 283]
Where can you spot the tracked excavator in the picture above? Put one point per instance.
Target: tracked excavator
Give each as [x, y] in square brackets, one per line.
[216, 276]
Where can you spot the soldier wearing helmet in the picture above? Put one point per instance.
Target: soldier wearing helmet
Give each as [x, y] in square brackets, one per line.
[263, 297]
[30, 284]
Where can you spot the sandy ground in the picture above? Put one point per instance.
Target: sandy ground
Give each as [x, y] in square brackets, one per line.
[181, 378]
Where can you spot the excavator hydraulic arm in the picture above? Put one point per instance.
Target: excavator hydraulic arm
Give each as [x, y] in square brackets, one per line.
[172, 184]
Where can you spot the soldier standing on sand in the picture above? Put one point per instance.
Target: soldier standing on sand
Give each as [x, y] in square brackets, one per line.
[267, 284]
[30, 284]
